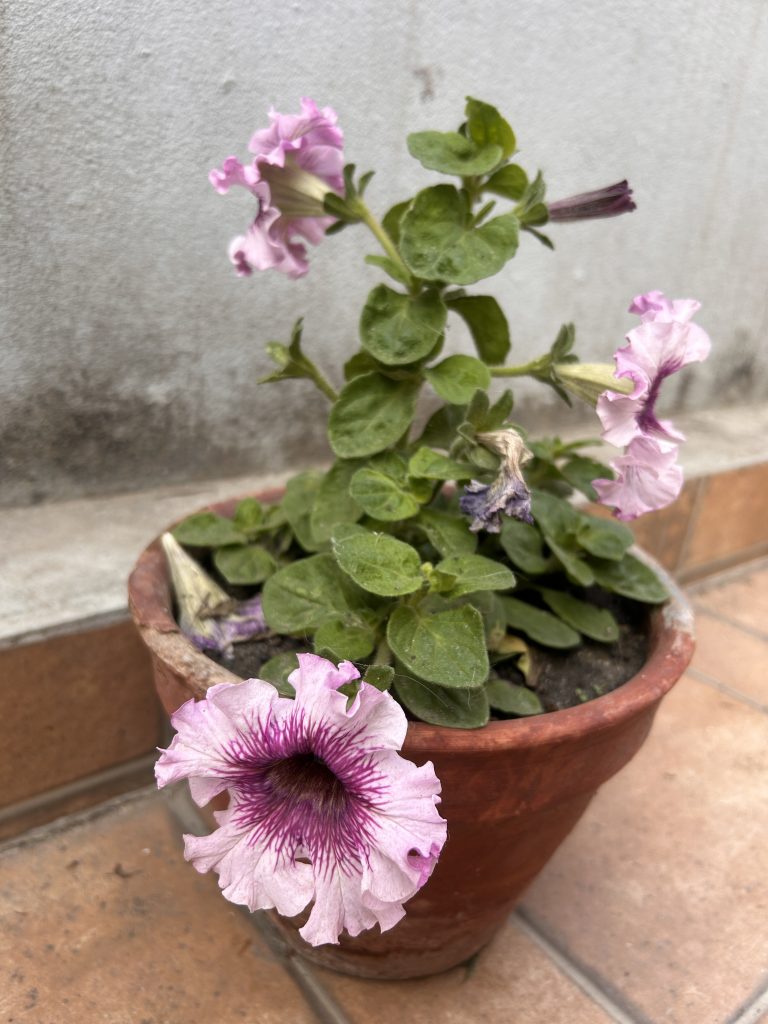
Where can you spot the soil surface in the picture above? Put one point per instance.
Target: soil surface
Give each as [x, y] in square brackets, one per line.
[561, 679]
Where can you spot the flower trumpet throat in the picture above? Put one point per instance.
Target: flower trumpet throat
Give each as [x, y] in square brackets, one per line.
[507, 494]
[322, 808]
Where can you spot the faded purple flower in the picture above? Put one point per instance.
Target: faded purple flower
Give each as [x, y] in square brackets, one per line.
[298, 160]
[664, 343]
[647, 478]
[507, 494]
[603, 202]
[321, 806]
[207, 615]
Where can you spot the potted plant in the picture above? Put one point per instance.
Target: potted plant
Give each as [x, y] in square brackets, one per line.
[435, 592]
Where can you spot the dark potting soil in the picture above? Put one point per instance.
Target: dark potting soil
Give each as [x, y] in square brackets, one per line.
[561, 679]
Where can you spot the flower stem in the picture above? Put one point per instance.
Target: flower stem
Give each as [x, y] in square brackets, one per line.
[385, 241]
[523, 370]
[324, 386]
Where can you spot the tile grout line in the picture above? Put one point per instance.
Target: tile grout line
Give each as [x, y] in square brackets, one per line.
[728, 574]
[693, 516]
[729, 691]
[753, 1012]
[319, 999]
[575, 972]
[702, 609]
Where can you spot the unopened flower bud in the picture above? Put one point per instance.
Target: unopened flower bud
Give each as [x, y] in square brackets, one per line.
[589, 380]
[604, 202]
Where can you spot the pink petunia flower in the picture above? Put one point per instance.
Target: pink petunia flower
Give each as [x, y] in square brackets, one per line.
[297, 161]
[664, 343]
[322, 807]
[647, 478]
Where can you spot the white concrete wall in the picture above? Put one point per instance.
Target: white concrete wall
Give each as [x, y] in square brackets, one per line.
[130, 350]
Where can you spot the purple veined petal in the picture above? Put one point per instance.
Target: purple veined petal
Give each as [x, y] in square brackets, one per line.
[321, 805]
[604, 202]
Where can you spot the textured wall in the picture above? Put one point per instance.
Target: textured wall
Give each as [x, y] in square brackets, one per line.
[130, 350]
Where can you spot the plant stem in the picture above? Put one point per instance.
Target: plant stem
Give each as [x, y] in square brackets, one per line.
[324, 386]
[517, 371]
[384, 240]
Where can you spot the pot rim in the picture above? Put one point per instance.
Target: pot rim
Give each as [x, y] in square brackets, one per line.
[671, 649]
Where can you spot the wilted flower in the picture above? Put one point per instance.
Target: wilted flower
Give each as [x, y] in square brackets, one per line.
[508, 493]
[603, 202]
[321, 806]
[647, 478]
[207, 615]
[664, 343]
[298, 160]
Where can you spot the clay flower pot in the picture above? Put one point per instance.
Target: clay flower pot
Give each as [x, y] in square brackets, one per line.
[512, 791]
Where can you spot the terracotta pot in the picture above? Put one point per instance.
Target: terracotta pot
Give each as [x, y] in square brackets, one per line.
[512, 791]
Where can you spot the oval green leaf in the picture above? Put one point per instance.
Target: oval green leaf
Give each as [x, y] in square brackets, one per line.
[371, 413]
[306, 593]
[511, 698]
[439, 243]
[541, 626]
[456, 378]
[431, 465]
[487, 324]
[208, 530]
[451, 153]
[596, 623]
[454, 708]
[343, 641]
[475, 572]
[398, 329]
[377, 562]
[244, 563]
[444, 647]
[382, 497]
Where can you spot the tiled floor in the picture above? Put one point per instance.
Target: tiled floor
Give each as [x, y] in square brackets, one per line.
[654, 911]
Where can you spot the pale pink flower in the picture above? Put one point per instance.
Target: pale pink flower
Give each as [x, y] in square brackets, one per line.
[647, 478]
[298, 160]
[321, 805]
[664, 343]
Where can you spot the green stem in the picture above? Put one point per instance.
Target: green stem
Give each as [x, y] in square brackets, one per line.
[385, 241]
[523, 370]
[324, 385]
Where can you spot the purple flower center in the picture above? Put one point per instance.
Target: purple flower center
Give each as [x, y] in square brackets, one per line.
[306, 790]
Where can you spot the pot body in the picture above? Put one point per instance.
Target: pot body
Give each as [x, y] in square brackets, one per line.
[511, 791]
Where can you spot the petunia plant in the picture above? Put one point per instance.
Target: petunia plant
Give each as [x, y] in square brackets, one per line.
[442, 542]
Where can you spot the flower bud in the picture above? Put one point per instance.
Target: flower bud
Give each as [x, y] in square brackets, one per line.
[604, 202]
[589, 380]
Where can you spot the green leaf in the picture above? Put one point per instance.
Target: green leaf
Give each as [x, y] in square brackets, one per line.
[291, 361]
[371, 413]
[382, 497]
[511, 698]
[456, 378]
[524, 546]
[440, 429]
[208, 530]
[361, 362]
[333, 503]
[631, 578]
[541, 626]
[448, 534]
[474, 572]
[454, 708]
[342, 641]
[486, 127]
[451, 153]
[249, 517]
[439, 243]
[510, 182]
[300, 494]
[604, 538]
[277, 670]
[487, 325]
[596, 623]
[243, 564]
[443, 647]
[389, 266]
[399, 329]
[559, 522]
[392, 218]
[433, 466]
[377, 562]
[380, 676]
[306, 593]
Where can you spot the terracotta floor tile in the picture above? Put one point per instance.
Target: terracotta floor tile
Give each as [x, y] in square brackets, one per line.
[512, 981]
[732, 656]
[662, 890]
[106, 923]
[743, 601]
[730, 516]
